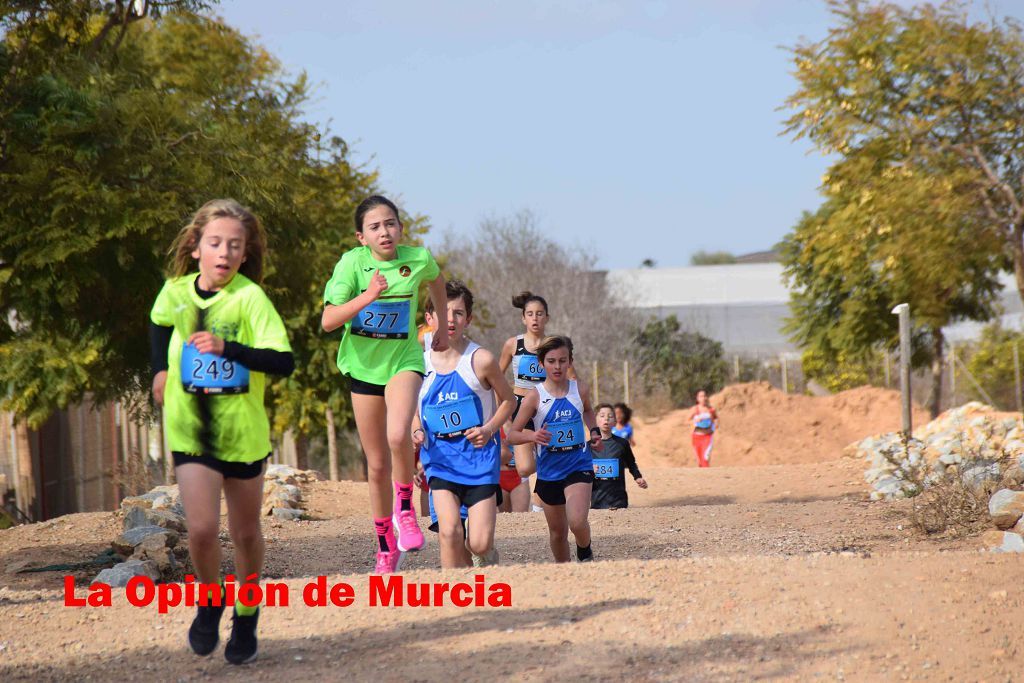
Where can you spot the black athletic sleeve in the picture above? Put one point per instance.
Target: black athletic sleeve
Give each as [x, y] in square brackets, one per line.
[630, 461]
[159, 342]
[261, 360]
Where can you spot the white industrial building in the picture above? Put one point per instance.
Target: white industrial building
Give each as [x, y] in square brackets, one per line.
[745, 305]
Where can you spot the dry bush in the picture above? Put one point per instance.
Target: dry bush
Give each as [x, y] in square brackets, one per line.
[508, 255]
[948, 502]
[949, 506]
[132, 477]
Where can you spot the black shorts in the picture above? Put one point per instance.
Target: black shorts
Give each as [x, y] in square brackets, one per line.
[229, 470]
[553, 492]
[468, 494]
[358, 386]
[519, 402]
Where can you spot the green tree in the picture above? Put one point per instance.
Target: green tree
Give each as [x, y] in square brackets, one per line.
[115, 128]
[922, 205]
[840, 371]
[886, 235]
[684, 362]
[711, 258]
[991, 362]
[926, 88]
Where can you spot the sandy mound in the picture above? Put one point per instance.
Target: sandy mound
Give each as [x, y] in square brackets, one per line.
[761, 425]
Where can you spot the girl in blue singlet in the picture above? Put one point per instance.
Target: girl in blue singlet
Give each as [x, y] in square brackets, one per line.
[567, 434]
[458, 426]
[623, 428]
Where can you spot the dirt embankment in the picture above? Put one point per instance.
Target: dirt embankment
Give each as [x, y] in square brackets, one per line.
[760, 425]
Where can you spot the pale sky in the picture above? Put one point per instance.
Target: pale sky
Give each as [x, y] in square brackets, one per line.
[644, 129]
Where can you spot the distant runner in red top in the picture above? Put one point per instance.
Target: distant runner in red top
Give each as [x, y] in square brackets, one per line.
[705, 422]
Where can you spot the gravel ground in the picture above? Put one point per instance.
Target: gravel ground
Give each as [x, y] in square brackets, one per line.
[742, 573]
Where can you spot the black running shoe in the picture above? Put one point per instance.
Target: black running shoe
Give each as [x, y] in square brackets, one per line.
[584, 554]
[203, 634]
[241, 648]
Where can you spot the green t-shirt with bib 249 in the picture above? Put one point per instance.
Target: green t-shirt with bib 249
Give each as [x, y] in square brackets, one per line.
[241, 312]
[380, 341]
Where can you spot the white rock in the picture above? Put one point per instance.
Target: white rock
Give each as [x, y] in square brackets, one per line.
[1006, 507]
[287, 514]
[119, 575]
[1012, 543]
[979, 474]
[889, 486]
[275, 471]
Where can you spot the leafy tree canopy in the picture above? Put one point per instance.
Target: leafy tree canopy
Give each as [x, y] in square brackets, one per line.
[928, 89]
[923, 204]
[114, 127]
[685, 362]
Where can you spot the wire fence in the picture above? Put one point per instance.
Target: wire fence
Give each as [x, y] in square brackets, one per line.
[88, 457]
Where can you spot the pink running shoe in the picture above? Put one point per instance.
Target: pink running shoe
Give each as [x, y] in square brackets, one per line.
[388, 562]
[410, 538]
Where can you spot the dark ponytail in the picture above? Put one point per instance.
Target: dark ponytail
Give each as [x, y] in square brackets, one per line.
[524, 298]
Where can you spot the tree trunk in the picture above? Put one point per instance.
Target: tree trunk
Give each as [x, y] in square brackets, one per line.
[301, 452]
[935, 403]
[1017, 252]
[332, 445]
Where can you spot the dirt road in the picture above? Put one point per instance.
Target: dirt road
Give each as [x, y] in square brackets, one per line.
[764, 572]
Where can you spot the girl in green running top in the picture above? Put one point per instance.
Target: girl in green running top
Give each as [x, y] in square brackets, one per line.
[374, 294]
[214, 337]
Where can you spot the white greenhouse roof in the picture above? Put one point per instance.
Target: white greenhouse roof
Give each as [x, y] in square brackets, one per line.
[754, 283]
[745, 306]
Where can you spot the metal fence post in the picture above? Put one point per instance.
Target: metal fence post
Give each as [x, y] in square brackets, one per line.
[903, 311]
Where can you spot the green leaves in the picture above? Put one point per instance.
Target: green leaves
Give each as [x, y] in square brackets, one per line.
[43, 373]
[684, 361]
[114, 128]
[923, 204]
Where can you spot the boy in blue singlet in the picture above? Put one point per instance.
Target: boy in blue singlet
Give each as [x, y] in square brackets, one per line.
[458, 425]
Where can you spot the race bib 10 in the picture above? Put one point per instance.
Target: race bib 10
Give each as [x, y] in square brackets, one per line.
[451, 419]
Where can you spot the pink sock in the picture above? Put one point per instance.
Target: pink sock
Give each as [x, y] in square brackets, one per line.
[403, 496]
[385, 534]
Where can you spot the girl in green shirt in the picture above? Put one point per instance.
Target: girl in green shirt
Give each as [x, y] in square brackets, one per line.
[214, 336]
[374, 294]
